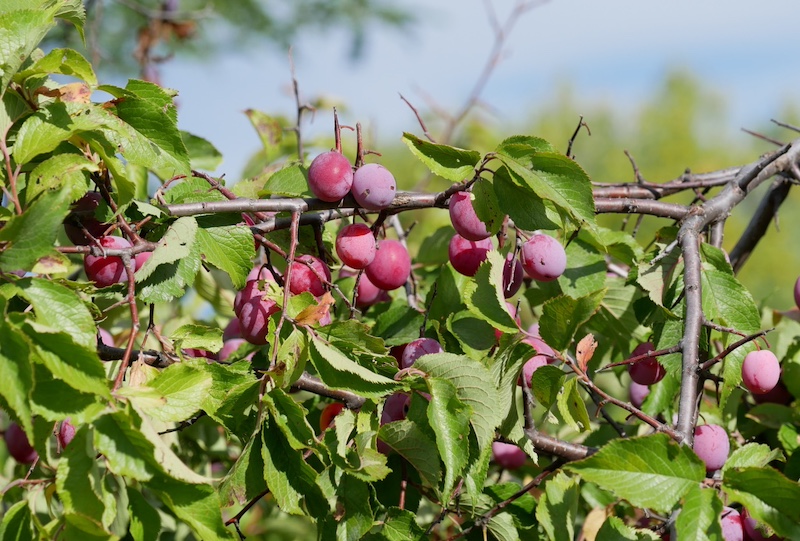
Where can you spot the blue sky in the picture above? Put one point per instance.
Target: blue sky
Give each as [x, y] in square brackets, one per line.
[614, 51]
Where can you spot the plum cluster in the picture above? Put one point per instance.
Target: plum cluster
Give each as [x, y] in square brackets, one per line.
[330, 178]
[541, 257]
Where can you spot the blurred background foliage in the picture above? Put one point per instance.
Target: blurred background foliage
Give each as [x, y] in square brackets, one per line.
[683, 125]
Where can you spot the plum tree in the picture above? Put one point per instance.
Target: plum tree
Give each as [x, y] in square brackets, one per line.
[417, 348]
[309, 278]
[467, 255]
[464, 219]
[761, 371]
[330, 176]
[106, 271]
[355, 245]
[711, 444]
[646, 371]
[543, 258]
[374, 187]
[508, 455]
[18, 445]
[391, 267]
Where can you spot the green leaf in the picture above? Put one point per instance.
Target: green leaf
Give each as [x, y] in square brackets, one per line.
[16, 523]
[269, 130]
[558, 508]
[354, 500]
[572, 407]
[448, 162]
[127, 451]
[30, 236]
[399, 324]
[399, 525]
[699, 516]
[67, 172]
[586, 272]
[555, 178]
[227, 245]
[614, 529]
[563, 315]
[631, 468]
[63, 62]
[20, 32]
[616, 318]
[339, 372]
[198, 506]
[173, 265]
[291, 181]
[145, 521]
[75, 364]
[54, 123]
[202, 154]
[193, 335]
[12, 108]
[449, 418]
[79, 483]
[17, 381]
[484, 297]
[289, 477]
[769, 497]
[183, 386]
[475, 388]
[416, 446]
[54, 400]
[756, 455]
[291, 419]
[486, 205]
[523, 205]
[433, 250]
[524, 145]
[546, 384]
[60, 308]
[245, 480]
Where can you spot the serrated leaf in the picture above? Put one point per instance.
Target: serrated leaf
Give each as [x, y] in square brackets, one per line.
[126, 450]
[354, 500]
[614, 529]
[245, 479]
[399, 324]
[555, 178]
[523, 206]
[755, 455]
[475, 388]
[63, 62]
[227, 245]
[16, 523]
[449, 418]
[173, 265]
[291, 181]
[289, 477]
[769, 497]
[17, 381]
[586, 272]
[572, 407]
[399, 525]
[546, 384]
[183, 387]
[193, 335]
[75, 364]
[198, 506]
[30, 236]
[448, 162]
[60, 308]
[563, 315]
[339, 372]
[67, 172]
[414, 444]
[484, 297]
[54, 400]
[145, 521]
[558, 508]
[631, 468]
[291, 419]
[699, 516]
[79, 484]
[202, 154]
[486, 205]
[20, 32]
[56, 122]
